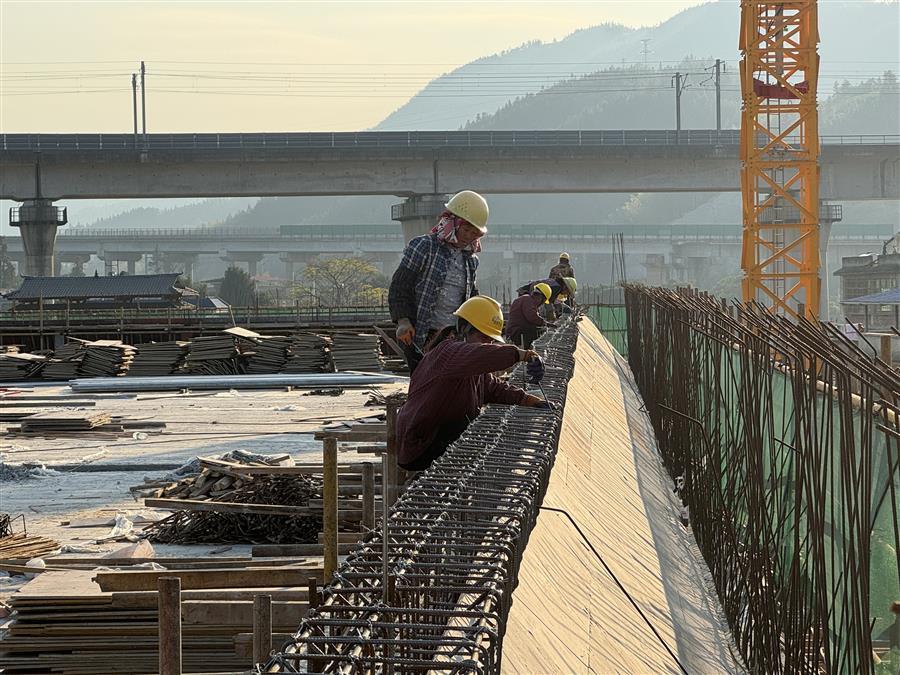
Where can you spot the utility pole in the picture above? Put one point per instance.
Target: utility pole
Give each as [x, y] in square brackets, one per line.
[144, 104]
[679, 81]
[134, 106]
[718, 96]
[645, 49]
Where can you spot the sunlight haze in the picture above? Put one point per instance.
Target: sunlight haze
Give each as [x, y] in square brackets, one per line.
[260, 66]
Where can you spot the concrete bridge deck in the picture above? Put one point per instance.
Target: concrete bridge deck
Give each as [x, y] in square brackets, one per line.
[108, 166]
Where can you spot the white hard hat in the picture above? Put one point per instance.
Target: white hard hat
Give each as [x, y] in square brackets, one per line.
[470, 206]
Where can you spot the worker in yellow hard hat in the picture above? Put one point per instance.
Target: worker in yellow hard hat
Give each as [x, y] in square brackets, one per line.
[524, 319]
[438, 272]
[455, 379]
[563, 268]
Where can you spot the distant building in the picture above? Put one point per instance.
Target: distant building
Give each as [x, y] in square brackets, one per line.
[113, 292]
[868, 288]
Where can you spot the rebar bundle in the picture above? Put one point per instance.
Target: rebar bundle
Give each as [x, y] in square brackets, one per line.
[783, 440]
[435, 595]
[192, 527]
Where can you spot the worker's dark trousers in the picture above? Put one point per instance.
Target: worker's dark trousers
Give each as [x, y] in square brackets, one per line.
[525, 337]
[446, 435]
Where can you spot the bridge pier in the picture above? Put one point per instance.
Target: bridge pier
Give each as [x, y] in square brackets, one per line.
[418, 214]
[180, 262]
[252, 260]
[112, 258]
[290, 261]
[37, 220]
[78, 261]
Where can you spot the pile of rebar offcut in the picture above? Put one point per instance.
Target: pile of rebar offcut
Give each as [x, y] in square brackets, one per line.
[228, 527]
[435, 595]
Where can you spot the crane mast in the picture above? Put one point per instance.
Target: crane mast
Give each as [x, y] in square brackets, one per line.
[780, 156]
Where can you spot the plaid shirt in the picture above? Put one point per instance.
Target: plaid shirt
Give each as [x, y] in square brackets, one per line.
[418, 279]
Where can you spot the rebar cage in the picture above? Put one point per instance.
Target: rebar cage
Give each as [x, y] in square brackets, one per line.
[455, 541]
[786, 436]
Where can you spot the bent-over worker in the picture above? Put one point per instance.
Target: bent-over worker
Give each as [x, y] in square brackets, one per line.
[437, 273]
[455, 379]
[524, 320]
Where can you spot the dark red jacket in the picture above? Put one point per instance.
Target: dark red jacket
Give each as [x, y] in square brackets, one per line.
[451, 384]
[522, 313]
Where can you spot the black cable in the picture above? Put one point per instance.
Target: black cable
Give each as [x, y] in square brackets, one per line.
[618, 583]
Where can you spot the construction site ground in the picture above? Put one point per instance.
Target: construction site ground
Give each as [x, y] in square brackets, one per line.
[95, 469]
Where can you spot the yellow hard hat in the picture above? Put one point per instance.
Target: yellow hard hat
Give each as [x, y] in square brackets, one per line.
[545, 289]
[470, 206]
[571, 284]
[485, 314]
[563, 256]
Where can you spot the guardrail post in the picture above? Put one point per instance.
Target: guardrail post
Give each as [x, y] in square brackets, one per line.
[330, 506]
[169, 609]
[262, 627]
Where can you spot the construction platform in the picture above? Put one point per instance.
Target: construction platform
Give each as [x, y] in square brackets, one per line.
[544, 541]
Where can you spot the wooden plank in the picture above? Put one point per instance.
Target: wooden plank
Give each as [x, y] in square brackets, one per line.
[243, 642]
[145, 599]
[239, 613]
[145, 580]
[352, 436]
[299, 469]
[227, 507]
[297, 550]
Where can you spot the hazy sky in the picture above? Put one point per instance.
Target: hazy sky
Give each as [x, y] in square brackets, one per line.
[350, 63]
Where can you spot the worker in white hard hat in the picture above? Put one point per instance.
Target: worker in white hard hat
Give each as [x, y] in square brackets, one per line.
[438, 273]
[563, 268]
[455, 379]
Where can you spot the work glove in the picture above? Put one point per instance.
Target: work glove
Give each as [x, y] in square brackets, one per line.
[535, 369]
[405, 331]
[545, 405]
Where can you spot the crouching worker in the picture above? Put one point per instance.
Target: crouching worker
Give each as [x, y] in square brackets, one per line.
[455, 379]
[524, 320]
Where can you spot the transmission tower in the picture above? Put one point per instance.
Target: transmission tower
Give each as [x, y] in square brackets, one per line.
[779, 155]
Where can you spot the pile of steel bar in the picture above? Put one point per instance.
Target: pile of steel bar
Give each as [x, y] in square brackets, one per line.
[435, 595]
[784, 438]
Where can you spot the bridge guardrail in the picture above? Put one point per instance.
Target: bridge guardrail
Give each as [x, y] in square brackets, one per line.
[390, 232]
[399, 139]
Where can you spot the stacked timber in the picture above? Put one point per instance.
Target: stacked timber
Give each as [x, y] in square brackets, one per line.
[158, 358]
[26, 546]
[65, 362]
[62, 421]
[15, 366]
[270, 354]
[214, 355]
[106, 358]
[77, 621]
[309, 353]
[356, 351]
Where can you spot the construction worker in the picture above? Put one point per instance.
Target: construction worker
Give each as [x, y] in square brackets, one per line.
[524, 320]
[563, 268]
[437, 273]
[455, 379]
[560, 289]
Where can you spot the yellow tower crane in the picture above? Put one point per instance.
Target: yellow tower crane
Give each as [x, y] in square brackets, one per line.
[780, 155]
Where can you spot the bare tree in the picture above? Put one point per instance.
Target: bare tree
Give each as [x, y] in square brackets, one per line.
[341, 282]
